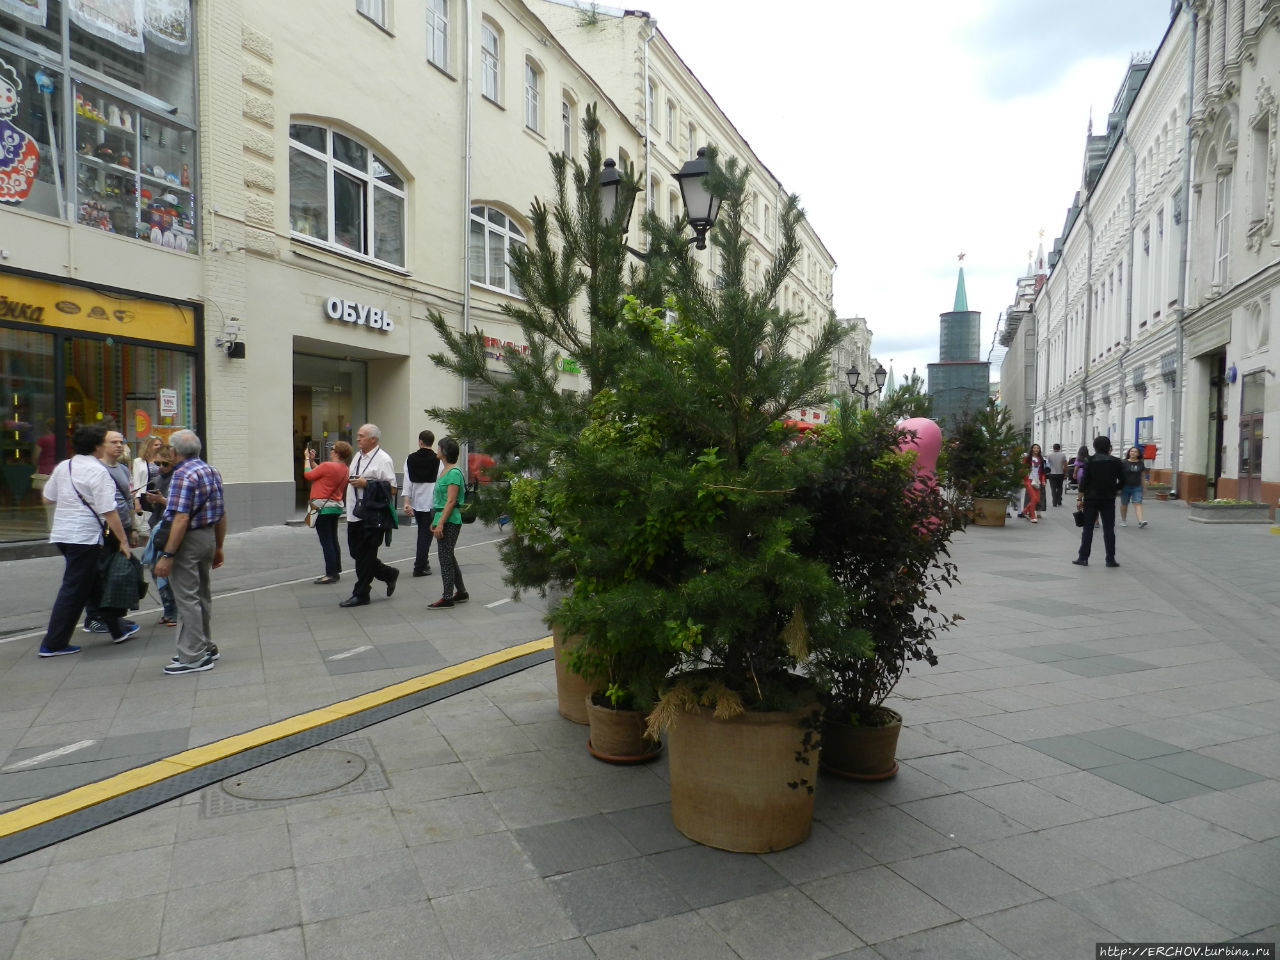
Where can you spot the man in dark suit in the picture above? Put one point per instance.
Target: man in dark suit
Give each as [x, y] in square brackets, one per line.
[1103, 479]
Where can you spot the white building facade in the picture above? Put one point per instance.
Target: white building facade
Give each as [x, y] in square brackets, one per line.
[1155, 323]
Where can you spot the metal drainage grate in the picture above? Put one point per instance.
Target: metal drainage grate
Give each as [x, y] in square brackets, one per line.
[338, 769]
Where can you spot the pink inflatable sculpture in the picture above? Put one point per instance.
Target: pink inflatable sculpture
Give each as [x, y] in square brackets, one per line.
[925, 437]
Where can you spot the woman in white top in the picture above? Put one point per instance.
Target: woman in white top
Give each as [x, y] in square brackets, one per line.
[146, 472]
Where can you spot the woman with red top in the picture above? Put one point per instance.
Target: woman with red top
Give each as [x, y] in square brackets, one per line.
[1037, 470]
[328, 482]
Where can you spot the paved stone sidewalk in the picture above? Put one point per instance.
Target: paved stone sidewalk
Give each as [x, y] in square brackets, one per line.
[1096, 758]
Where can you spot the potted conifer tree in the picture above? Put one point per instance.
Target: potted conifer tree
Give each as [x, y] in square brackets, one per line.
[678, 502]
[574, 278]
[983, 464]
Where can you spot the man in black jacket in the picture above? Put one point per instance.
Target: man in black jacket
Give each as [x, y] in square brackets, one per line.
[1103, 479]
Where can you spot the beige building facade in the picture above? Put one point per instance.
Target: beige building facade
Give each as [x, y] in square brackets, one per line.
[334, 185]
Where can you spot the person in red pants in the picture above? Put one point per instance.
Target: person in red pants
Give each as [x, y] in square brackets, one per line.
[1033, 481]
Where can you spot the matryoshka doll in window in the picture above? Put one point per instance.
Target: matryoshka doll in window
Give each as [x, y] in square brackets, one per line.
[19, 155]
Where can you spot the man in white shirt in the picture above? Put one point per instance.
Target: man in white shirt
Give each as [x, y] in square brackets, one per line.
[85, 498]
[371, 466]
[420, 470]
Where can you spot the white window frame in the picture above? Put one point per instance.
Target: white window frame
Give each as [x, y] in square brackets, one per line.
[532, 96]
[438, 33]
[671, 122]
[372, 186]
[651, 104]
[506, 234]
[375, 10]
[693, 140]
[490, 62]
[567, 124]
[1222, 227]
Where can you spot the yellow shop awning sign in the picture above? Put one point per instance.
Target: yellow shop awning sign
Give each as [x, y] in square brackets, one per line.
[25, 300]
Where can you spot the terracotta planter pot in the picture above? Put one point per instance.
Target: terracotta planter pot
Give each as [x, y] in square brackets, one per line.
[861, 752]
[729, 779]
[989, 512]
[571, 688]
[617, 736]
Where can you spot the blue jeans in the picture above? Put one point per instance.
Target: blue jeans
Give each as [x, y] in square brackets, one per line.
[327, 531]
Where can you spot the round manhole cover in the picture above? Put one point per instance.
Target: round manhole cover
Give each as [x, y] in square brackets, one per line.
[305, 774]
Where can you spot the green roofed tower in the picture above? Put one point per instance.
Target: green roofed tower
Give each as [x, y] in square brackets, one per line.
[959, 382]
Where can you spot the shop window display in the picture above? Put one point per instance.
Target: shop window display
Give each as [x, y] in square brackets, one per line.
[110, 109]
[28, 440]
[133, 172]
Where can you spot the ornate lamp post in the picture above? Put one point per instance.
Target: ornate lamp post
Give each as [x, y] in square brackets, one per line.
[701, 206]
[866, 393]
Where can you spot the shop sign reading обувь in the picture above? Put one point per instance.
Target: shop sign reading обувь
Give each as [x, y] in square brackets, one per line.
[336, 308]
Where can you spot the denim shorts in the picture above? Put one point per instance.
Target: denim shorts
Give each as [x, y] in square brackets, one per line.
[1130, 495]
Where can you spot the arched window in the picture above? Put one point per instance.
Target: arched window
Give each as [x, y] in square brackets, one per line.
[532, 96]
[1222, 226]
[438, 33]
[343, 194]
[492, 236]
[490, 62]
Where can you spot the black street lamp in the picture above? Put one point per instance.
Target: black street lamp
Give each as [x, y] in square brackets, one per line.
[866, 393]
[701, 206]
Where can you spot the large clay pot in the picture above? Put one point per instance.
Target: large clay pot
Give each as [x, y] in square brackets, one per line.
[989, 512]
[571, 688]
[617, 736]
[730, 778]
[861, 752]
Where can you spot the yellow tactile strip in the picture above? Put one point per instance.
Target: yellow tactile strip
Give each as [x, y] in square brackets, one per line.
[42, 811]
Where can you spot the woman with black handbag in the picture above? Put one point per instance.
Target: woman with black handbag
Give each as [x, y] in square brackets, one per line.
[450, 495]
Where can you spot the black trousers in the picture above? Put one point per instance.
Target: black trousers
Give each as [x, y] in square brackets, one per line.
[77, 584]
[363, 546]
[1094, 510]
[1055, 485]
[422, 559]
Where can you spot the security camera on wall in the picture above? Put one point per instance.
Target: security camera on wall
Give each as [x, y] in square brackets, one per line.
[229, 343]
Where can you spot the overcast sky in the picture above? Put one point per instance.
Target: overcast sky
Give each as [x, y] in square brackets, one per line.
[914, 132]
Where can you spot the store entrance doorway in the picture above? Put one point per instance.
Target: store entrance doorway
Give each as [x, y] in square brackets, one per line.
[329, 404]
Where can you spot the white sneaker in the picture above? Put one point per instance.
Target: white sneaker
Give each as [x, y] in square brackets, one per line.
[1142, 523]
[1123, 524]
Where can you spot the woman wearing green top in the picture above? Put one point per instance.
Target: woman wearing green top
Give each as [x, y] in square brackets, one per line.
[447, 523]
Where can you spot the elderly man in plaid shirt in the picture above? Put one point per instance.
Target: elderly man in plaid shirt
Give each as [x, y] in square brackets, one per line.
[198, 525]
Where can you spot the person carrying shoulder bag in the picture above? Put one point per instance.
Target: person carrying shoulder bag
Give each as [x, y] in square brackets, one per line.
[85, 498]
[328, 483]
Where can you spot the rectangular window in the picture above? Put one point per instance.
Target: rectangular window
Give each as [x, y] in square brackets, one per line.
[1222, 228]
[650, 105]
[693, 141]
[531, 96]
[438, 33]
[566, 126]
[671, 122]
[489, 62]
[375, 10]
